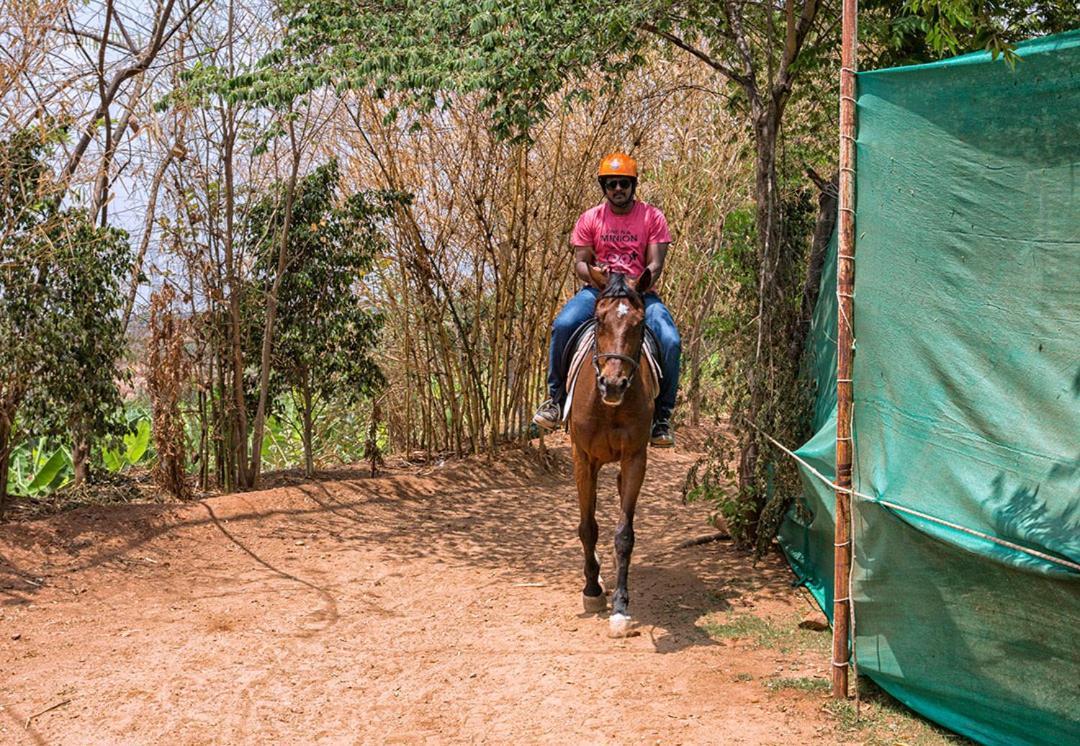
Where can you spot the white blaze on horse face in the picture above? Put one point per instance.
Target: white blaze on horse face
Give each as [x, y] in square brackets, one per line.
[622, 309]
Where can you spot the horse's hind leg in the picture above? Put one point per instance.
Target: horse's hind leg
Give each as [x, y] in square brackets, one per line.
[631, 475]
[585, 473]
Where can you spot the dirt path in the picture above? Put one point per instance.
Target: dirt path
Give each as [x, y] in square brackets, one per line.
[437, 607]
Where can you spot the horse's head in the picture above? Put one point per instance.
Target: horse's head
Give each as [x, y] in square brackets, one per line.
[620, 332]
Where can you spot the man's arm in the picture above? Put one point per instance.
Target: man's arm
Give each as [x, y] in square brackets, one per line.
[584, 257]
[655, 254]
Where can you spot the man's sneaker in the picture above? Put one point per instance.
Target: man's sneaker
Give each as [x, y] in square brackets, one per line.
[549, 416]
[661, 435]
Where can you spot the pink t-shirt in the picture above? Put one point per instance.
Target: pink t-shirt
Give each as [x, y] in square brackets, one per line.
[619, 241]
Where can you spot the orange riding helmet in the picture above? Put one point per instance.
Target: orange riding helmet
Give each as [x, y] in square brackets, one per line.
[618, 164]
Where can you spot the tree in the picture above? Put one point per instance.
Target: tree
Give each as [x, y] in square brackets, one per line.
[520, 55]
[96, 66]
[230, 151]
[921, 30]
[59, 305]
[324, 332]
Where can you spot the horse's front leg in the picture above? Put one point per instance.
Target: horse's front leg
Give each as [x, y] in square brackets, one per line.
[585, 473]
[631, 475]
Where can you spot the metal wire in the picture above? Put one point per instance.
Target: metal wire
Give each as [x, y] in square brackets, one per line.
[919, 514]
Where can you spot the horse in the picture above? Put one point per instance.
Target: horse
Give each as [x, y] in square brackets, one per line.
[610, 420]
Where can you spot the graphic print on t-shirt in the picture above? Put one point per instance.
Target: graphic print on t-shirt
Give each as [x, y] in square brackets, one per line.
[620, 250]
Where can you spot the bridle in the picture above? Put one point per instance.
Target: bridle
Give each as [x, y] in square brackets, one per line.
[635, 362]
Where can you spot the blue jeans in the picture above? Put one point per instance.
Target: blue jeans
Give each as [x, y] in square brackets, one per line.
[580, 308]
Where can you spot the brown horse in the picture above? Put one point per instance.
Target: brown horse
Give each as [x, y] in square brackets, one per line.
[610, 420]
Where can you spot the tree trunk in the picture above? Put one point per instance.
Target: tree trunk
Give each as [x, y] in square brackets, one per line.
[767, 220]
[828, 202]
[371, 447]
[259, 424]
[694, 390]
[80, 457]
[204, 438]
[305, 401]
[223, 441]
[5, 462]
[697, 353]
[239, 422]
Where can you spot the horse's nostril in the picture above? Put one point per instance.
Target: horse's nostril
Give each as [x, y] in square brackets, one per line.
[624, 384]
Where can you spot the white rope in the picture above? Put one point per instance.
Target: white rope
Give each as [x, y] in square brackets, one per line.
[919, 514]
[854, 657]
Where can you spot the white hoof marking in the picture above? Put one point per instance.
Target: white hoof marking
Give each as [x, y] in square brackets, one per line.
[619, 625]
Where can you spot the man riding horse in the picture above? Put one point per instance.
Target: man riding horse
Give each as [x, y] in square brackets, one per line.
[625, 235]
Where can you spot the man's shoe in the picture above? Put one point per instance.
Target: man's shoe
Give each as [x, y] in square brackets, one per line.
[549, 416]
[661, 435]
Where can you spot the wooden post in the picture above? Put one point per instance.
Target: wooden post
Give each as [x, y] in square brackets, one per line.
[845, 287]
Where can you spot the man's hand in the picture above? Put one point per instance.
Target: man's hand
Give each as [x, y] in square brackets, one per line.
[655, 255]
[583, 260]
[598, 277]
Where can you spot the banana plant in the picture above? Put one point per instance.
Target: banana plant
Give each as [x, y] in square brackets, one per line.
[35, 468]
[134, 449]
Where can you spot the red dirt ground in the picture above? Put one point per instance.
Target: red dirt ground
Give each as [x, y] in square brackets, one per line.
[438, 606]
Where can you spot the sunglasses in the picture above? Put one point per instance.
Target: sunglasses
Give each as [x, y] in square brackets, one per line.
[618, 183]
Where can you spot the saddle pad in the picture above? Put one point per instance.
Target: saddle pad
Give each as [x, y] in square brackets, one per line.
[582, 351]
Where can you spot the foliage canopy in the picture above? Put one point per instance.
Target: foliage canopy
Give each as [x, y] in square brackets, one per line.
[60, 297]
[325, 331]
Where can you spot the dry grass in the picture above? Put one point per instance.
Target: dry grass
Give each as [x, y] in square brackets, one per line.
[784, 635]
[876, 720]
[102, 488]
[881, 720]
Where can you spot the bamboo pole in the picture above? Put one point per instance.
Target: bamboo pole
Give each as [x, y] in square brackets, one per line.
[845, 286]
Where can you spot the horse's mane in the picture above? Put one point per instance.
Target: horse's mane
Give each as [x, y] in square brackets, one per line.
[618, 287]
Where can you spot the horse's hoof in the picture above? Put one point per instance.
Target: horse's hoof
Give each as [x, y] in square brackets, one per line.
[619, 625]
[594, 604]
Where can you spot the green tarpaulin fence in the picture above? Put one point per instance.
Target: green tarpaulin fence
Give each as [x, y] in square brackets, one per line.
[966, 394]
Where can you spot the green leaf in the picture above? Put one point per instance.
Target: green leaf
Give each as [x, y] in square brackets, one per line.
[50, 471]
[112, 459]
[137, 442]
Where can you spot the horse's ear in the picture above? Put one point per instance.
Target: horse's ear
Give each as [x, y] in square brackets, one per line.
[599, 277]
[644, 282]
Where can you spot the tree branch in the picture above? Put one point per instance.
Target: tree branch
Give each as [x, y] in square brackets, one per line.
[796, 36]
[187, 14]
[123, 32]
[141, 63]
[115, 44]
[735, 23]
[720, 67]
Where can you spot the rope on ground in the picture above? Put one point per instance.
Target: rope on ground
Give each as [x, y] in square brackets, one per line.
[918, 513]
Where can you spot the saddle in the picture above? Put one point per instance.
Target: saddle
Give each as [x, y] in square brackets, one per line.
[579, 350]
